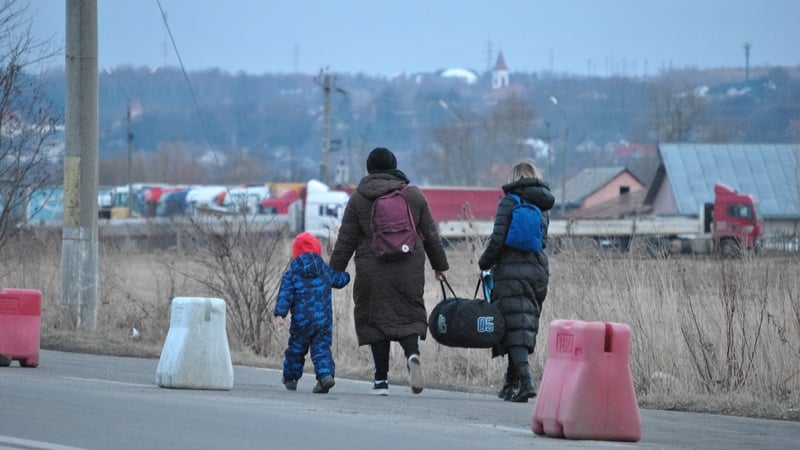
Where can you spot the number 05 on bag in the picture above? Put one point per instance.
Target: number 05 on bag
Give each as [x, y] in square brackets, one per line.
[466, 323]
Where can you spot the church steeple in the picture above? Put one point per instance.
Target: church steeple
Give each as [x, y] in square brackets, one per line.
[500, 72]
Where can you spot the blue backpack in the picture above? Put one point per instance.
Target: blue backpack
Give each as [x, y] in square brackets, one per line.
[525, 230]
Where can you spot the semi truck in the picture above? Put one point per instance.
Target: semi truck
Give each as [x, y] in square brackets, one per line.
[311, 207]
[728, 226]
[460, 212]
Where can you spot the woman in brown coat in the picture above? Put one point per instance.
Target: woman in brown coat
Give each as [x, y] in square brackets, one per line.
[388, 293]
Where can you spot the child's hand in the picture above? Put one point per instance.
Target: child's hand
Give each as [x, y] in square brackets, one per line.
[281, 321]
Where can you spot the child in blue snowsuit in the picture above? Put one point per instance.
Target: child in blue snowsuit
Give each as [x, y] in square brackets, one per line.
[305, 291]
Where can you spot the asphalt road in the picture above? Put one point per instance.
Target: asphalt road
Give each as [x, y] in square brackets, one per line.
[100, 402]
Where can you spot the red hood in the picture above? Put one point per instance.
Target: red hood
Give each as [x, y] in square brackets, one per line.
[305, 242]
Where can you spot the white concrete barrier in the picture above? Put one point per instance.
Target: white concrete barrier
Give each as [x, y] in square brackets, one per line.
[196, 354]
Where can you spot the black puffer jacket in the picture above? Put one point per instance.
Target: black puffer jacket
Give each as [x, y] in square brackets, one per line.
[520, 278]
[387, 294]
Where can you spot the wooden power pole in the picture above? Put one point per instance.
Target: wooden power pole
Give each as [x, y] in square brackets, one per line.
[130, 162]
[325, 80]
[326, 127]
[747, 61]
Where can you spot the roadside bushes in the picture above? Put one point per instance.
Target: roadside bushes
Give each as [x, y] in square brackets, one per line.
[241, 262]
[708, 335]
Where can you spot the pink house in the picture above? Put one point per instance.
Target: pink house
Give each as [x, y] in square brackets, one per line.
[596, 186]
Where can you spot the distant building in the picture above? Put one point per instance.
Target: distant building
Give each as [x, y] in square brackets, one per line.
[595, 186]
[501, 89]
[500, 73]
[641, 159]
[468, 76]
[685, 180]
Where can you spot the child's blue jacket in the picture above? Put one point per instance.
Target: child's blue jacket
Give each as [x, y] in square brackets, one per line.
[305, 291]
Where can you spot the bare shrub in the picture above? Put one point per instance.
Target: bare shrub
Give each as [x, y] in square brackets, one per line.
[240, 261]
[28, 123]
[135, 293]
[28, 261]
[706, 334]
[728, 363]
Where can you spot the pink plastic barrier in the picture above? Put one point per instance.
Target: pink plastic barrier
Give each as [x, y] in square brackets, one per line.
[587, 387]
[20, 326]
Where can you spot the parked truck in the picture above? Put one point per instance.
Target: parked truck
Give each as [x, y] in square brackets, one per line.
[134, 200]
[311, 207]
[460, 212]
[727, 226]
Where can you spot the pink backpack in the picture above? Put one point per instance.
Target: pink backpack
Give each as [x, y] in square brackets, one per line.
[392, 224]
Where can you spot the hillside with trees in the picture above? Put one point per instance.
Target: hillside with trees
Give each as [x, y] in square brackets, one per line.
[219, 127]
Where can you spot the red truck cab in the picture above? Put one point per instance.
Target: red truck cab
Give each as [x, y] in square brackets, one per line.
[281, 203]
[735, 223]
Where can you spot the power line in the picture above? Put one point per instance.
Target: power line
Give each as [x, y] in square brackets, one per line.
[191, 92]
[196, 105]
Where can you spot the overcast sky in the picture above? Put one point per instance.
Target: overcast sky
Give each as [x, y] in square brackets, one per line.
[597, 37]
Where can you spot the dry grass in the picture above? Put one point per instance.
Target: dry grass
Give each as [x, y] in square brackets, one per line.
[707, 335]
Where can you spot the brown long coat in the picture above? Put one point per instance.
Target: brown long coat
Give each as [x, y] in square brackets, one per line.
[388, 295]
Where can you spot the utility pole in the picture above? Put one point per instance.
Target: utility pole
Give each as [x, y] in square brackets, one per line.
[489, 55]
[130, 160]
[747, 61]
[549, 150]
[326, 127]
[325, 80]
[79, 242]
[554, 101]
[566, 166]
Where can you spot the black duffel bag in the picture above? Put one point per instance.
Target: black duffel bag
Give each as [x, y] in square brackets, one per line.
[466, 322]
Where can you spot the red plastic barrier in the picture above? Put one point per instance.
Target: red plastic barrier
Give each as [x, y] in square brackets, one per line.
[587, 387]
[20, 326]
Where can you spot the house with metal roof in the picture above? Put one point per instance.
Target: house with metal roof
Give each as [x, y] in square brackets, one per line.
[685, 180]
[594, 186]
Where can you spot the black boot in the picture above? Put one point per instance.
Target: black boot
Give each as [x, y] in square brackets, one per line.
[526, 389]
[510, 384]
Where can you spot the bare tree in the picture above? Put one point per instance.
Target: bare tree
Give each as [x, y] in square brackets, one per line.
[509, 125]
[28, 159]
[464, 150]
[675, 111]
[454, 154]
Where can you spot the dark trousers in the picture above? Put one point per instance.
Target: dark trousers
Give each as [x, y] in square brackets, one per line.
[517, 354]
[380, 354]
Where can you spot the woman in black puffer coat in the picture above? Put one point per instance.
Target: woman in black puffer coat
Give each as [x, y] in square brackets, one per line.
[520, 280]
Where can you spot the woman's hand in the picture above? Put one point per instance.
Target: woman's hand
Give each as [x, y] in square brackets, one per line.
[441, 276]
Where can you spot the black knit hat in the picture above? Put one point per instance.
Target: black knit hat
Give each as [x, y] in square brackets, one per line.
[381, 159]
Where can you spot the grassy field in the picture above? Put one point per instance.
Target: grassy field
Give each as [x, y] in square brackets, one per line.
[707, 335]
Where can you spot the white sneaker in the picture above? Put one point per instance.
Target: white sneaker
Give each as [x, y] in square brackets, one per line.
[415, 374]
[380, 388]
